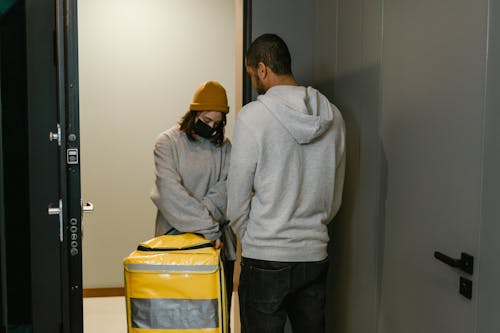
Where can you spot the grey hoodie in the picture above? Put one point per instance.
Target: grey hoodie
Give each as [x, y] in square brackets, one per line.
[286, 174]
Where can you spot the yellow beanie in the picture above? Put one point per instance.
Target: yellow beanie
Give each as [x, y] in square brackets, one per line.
[210, 96]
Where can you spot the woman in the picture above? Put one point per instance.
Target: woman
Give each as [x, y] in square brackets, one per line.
[192, 162]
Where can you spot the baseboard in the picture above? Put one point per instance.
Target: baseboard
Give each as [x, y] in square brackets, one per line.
[103, 292]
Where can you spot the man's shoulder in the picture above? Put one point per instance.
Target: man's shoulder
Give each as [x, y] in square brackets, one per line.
[252, 106]
[252, 112]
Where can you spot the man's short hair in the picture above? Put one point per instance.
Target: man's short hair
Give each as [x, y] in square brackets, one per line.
[272, 51]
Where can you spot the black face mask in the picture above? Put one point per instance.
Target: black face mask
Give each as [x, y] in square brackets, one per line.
[203, 129]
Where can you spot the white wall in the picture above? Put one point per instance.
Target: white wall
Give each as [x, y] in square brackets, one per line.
[139, 64]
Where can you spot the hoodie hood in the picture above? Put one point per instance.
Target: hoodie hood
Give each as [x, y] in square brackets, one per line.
[303, 111]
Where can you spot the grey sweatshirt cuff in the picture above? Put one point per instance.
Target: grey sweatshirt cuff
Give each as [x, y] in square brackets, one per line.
[212, 236]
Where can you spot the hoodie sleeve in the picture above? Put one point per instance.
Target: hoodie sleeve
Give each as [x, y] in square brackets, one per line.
[216, 198]
[241, 177]
[339, 169]
[339, 185]
[183, 211]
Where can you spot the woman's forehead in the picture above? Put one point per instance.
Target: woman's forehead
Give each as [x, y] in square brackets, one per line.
[213, 115]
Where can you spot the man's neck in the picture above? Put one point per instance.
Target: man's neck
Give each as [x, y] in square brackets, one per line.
[283, 80]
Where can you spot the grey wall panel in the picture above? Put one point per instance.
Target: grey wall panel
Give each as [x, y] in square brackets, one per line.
[358, 229]
[292, 20]
[489, 290]
[325, 60]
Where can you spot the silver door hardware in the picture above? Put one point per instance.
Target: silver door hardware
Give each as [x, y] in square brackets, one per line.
[74, 236]
[56, 136]
[88, 207]
[58, 211]
[55, 210]
[72, 156]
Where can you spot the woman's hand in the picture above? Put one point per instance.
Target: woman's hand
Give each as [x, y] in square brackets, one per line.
[217, 243]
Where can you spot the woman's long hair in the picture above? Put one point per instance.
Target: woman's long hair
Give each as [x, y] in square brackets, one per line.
[187, 126]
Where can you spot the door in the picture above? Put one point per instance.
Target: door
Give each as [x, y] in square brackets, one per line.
[15, 255]
[55, 202]
[432, 129]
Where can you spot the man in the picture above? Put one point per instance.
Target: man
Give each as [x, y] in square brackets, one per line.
[284, 186]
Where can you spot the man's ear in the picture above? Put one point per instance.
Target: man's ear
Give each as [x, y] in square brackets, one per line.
[262, 70]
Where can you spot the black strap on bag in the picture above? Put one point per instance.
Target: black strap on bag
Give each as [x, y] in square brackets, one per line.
[173, 231]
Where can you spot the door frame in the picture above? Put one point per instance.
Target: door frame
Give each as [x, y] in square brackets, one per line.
[69, 165]
[3, 278]
[247, 40]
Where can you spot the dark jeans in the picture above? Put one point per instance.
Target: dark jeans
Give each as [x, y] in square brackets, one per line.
[271, 290]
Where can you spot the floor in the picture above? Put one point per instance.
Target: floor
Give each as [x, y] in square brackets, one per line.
[104, 315]
[108, 315]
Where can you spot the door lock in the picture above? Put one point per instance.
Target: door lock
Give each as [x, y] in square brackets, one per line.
[465, 263]
[465, 287]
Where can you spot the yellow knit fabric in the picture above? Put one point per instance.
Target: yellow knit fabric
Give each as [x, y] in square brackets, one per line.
[210, 96]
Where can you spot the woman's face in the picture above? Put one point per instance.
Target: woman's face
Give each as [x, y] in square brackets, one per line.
[211, 118]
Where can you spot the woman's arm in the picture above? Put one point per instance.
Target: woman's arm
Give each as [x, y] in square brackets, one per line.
[181, 209]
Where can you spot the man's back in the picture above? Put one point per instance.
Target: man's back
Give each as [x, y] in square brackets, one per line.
[284, 186]
[289, 149]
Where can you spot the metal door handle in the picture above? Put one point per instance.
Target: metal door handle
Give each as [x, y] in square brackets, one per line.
[58, 211]
[88, 207]
[465, 263]
[54, 210]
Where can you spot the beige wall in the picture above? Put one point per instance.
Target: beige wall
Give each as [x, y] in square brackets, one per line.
[140, 62]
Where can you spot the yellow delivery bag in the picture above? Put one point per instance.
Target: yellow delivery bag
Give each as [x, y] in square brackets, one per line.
[175, 283]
